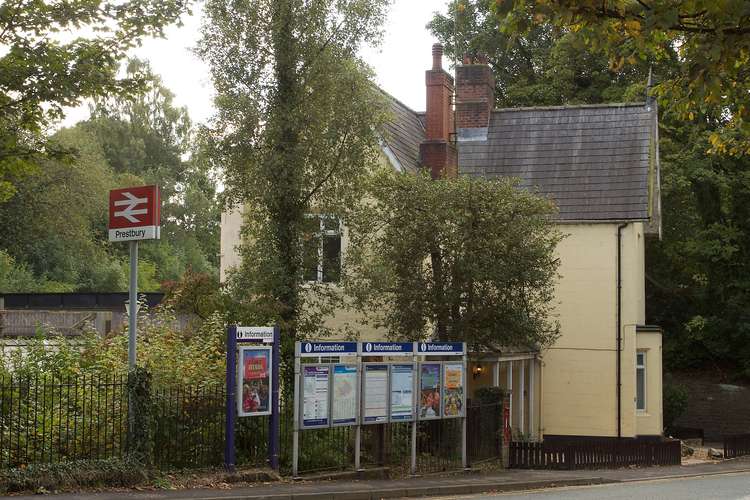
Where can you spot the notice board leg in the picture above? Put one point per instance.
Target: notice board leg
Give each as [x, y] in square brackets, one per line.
[274, 431]
[295, 435]
[229, 454]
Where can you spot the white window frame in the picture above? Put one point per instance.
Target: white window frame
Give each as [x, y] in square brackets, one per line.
[322, 233]
[642, 367]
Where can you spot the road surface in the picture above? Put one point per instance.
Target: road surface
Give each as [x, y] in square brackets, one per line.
[717, 487]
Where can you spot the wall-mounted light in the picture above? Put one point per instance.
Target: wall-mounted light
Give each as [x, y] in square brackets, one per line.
[477, 371]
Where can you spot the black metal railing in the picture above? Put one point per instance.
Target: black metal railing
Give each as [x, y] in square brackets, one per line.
[51, 420]
[484, 425]
[737, 445]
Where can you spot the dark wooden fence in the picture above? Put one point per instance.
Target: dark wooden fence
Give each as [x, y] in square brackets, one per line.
[736, 446]
[593, 454]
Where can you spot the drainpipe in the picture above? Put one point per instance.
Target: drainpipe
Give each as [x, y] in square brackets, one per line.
[618, 335]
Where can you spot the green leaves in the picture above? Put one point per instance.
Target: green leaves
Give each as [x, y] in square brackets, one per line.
[475, 254]
[41, 73]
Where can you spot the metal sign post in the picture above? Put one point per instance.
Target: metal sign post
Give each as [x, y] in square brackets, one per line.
[133, 312]
[134, 214]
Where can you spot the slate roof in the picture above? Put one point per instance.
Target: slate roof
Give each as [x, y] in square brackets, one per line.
[403, 134]
[593, 161]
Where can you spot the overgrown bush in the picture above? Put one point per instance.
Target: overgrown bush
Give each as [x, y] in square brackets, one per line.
[675, 402]
[490, 395]
[113, 472]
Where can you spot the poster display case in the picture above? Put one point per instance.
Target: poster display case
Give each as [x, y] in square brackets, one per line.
[375, 393]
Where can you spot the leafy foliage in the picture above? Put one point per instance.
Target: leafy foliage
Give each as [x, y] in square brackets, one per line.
[494, 284]
[709, 36]
[41, 72]
[289, 144]
[56, 221]
[675, 403]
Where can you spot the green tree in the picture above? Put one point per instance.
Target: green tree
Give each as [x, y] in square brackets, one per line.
[147, 135]
[497, 246]
[40, 73]
[295, 129]
[709, 36]
[546, 65]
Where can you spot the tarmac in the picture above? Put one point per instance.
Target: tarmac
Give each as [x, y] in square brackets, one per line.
[463, 484]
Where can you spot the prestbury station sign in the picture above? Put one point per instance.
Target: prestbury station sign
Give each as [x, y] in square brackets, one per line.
[134, 214]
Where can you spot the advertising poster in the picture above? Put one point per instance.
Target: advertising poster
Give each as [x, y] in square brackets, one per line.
[344, 397]
[453, 394]
[402, 392]
[255, 381]
[315, 396]
[429, 391]
[375, 407]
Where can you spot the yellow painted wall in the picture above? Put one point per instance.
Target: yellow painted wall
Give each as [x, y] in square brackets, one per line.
[650, 422]
[576, 381]
[579, 371]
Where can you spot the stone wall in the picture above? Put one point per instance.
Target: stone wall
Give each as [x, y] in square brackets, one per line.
[718, 408]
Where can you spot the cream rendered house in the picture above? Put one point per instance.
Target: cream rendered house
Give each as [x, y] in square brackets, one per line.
[600, 165]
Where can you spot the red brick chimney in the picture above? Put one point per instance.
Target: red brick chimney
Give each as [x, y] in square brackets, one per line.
[475, 98]
[437, 153]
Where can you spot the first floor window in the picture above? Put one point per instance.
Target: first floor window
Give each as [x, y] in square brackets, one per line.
[640, 380]
[321, 249]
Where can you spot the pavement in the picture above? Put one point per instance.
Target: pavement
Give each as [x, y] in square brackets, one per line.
[731, 486]
[465, 484]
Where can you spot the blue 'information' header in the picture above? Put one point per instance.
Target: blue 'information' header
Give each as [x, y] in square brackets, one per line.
[327, 348]
[387, 348]
[443, 348]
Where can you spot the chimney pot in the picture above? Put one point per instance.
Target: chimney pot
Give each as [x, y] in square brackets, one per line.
[437, 56]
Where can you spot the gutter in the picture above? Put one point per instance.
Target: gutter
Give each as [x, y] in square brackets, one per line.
[618, 333]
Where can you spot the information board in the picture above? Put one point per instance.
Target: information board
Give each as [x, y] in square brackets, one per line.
[402, 392]
[453, 389]
[344, 395]
[315, 382]
[254, 376]
[429, 391]
[375, 394]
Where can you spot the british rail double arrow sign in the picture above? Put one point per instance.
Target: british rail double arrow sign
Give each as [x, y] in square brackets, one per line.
[134, 213]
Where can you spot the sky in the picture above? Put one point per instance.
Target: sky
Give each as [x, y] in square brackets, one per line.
[399, 63]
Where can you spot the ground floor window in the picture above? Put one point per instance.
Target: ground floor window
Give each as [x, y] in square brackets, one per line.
[640, 381]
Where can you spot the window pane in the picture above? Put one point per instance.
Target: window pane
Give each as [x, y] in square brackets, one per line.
[310, 246]
[640, 359]
[330, 224]
[331, 258]
[640, 388]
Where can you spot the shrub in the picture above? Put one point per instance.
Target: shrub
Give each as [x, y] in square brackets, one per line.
[675, 403]
[490, 395]
[113, 472]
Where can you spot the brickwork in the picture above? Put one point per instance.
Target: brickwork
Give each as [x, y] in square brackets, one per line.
[437, 153]
[475, 93]
[717, 408]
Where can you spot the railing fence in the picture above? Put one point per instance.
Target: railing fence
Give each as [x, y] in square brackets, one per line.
[610, 453]
[737, 445]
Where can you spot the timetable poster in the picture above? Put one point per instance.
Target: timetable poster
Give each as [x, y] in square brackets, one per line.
[429, 391]
[453, 395]
[376, 394]
[255, 381]
[315, 396]
[344, 397]
[402, 392]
